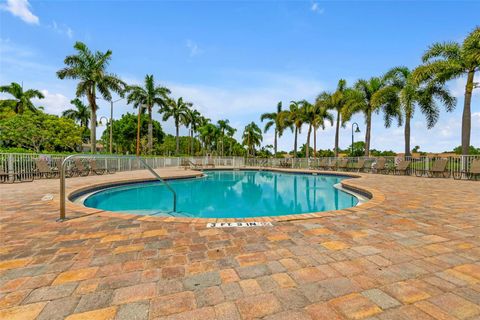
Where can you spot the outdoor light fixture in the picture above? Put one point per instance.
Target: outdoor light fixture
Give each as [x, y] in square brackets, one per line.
[356, 131]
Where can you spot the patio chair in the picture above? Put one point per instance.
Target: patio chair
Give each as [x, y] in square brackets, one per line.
[473, 173]
[95, 169]
[210, 164]
[380, 166]
[44, 170]
[80, 169]
[358, 166]
[342, 165]
[323, 164]
[438, 169]
[403, 167]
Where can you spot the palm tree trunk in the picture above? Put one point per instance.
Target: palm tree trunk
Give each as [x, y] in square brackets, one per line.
[191, 141]
[177, 137]
[337, 132]
[295, 143]
[138, 131]
[315, 142]
[467, 116]
[275, 142]
[307, 152]
[93, 121]
[367, 134]
[150, 130]
[407, 134]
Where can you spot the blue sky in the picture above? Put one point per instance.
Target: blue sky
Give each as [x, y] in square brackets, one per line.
[237, 59]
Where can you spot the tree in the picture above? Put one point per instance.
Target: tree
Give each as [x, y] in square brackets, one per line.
[22, 99]
[321, 115]
[148, 97]
[192, 120]
[252, 136]
[80, 114]
[293, 118]
[91, 71]
[450, 60]
[362, 100]
[176, 109]
[337, 101]
[124, 131]
[39, 131]
[224, 126]
[208, 134]
[274, 120]
[402, 94]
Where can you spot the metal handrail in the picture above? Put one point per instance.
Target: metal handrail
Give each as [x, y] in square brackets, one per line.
[62, 177]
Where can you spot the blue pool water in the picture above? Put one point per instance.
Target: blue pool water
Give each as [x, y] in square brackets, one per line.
[228, 194]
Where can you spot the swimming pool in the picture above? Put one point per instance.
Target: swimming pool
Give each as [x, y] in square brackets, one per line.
[228, 194]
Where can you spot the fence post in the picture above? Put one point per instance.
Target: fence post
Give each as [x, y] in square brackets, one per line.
[11, 171]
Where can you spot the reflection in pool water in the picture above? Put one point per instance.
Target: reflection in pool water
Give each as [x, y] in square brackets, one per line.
[229, 194]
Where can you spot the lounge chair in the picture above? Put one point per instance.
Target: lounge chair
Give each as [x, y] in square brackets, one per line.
[210, 164]
[358, 166]
[473, 173]
[95, 169]
[342, 164]
[403, 167]
[80, 169]
[44, 170]
[380, 166]
[439, 169]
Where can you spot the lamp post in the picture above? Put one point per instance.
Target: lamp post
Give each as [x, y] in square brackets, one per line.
[111, 122]
[357, 131]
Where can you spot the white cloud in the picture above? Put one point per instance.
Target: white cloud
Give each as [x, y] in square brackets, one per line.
[21, 9]
[193, 48]
[53, 102]
[457, 88]
[61, 29]
[316, 8]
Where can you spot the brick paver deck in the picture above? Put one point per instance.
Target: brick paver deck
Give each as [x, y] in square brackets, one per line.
[412, 254]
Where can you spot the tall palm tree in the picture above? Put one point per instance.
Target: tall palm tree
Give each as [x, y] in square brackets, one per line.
[361, 100]
[176, 109]
[274, 120]
[91, 71]
[252, 136]
[321, 114]
[337, 101]
[148, 96]
[21, 101]
[192, 120]
[80, 114]
[293, 118]
[404, 93]
[224, 126]
[450, 60]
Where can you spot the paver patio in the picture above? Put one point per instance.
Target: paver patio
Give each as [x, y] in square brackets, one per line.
[413, 253]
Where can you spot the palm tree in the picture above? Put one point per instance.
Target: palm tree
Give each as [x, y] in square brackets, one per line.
[252, 136]
[224, 126]
[176, 109]
[450, 60]
[192, 120]
[293, 118]
[208, 133]
[361, 100]
[321, 114]
[274, 119]
[337, 101]
[91, 69]
[404, 93]
[80, 114]
[21, 101]
[148, 97]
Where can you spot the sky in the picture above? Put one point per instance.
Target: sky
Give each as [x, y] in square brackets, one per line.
[238, 59]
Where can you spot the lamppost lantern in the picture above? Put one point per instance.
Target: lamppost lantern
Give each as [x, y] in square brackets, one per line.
[111, 120]
[357, 130]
